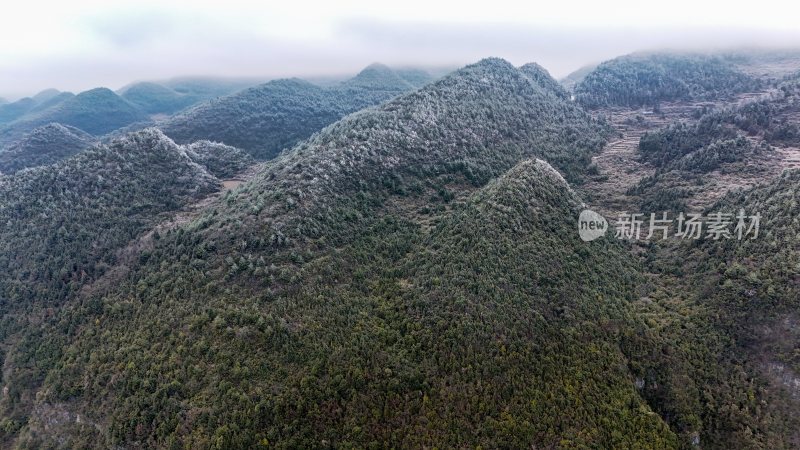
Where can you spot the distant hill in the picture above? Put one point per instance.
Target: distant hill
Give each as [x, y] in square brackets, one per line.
[97, 112]
[573, 79]
[378, 77]
[50, 102]
[170, 96]
[414, 76]
[273, 116]
[46, 95]
[44, 145]
[154, 98]
[647, 79]
[13, 111]
[3, 101]
[209, 87]
[543, 78]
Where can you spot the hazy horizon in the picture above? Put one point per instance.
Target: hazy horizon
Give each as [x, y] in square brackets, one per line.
[91, 44]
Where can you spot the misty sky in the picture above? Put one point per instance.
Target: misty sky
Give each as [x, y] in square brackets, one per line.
[81, 44]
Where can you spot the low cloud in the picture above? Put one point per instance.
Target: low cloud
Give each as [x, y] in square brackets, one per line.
[163, 44]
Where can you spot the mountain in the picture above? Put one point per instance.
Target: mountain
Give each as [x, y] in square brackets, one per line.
[414, 76]
[371, 286]
[209, 87]
[716, 359]
[48, 102]
[43, 100]
[97, 112]
[11, 111]
[648, 79]
[542, 76]
[46, 95]
[727, 314]
[378, 77]
[89, 204]
[44, 145]
[154, 98]
[75, 222]
[573, 79]
[270, 117]
[3, 101]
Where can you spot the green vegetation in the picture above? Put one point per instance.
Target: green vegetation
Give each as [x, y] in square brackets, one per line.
[727, 312]
[44, 145]
[648, 79]
[154, 98]
[268, 118]
[61, 223]
[736, 138]
[293, 283]
[97, 112]
[410, 276]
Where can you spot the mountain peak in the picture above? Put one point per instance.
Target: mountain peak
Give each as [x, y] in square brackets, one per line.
[46, 95]
[532, 183]
[44, 145]
[542, 77]
[493, 62]
[98, 93]
[380, 77]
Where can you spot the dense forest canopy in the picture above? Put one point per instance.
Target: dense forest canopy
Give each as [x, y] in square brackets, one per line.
[268, 118]
[97, 112]
[44, 145]
[404, 270]
[647, 79]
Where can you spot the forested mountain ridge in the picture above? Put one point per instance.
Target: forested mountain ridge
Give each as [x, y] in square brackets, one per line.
[97, 112]
[342, 217]
[717, 362]
[170, 96]
[12, 111]
[96, 201]
[647, 79]
[408, 276]
[65, 225]
[276, 115]
[540, 75]
[44, 145]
